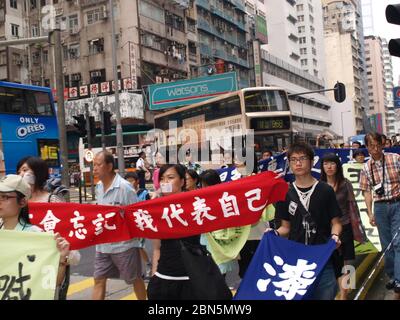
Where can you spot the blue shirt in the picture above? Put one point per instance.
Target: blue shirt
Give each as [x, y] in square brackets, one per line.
[120, 193]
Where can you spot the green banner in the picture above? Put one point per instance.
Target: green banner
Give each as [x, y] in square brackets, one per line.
[352, 172]
[28, 265]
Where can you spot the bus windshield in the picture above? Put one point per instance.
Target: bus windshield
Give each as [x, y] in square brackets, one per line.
[266, 100]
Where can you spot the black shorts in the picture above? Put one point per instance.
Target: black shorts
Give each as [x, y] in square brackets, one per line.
[347, 247]
[161, 289]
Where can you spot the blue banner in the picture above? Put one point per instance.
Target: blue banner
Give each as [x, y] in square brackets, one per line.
[229, 174]
[185, 92]
[283, 269]
[280, 163]
[396, 97]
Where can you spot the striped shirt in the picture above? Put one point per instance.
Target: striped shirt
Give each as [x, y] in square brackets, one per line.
[392, 176]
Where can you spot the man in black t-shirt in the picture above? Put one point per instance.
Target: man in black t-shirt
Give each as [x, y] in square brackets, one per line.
[310, 214]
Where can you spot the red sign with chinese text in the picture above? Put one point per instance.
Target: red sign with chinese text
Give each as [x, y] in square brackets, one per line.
[231, 204]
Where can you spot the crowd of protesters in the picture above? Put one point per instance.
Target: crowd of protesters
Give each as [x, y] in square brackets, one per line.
[329, 205]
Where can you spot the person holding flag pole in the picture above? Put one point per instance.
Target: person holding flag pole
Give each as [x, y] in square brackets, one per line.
[311, 215]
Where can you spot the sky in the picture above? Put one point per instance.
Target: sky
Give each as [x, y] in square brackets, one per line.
[386, 30]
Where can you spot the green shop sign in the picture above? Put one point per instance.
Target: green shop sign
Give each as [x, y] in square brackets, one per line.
[185, 92]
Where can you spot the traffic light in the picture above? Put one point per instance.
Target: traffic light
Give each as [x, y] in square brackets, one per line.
[107, 122]
[80, 125]
[393, 16]
[340, 92]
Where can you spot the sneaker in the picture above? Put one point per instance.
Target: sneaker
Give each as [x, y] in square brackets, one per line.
[390, 285]
[396, 286]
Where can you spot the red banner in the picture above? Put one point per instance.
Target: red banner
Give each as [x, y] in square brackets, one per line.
[230, 204]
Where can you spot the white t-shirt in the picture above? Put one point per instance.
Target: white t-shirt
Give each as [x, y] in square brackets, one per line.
[140, 164]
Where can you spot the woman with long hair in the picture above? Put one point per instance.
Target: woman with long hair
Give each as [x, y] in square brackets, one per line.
[14, 215]
[332, 173]
[170, 280]
[35, 172]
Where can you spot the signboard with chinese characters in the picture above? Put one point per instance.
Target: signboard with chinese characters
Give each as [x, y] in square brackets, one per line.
[94, 89]
[261, 29]
[186, 92]
[257, 63]
[105, 87]
[28, 265]
[234, 204]
[132, 65]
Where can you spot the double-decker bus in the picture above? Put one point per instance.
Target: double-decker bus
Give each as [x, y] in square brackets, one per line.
[28, 126]
[265, 110]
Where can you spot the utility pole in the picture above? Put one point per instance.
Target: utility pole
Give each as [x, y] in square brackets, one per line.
[89, 140]
[120, 150]
[103, 137]
[60, 107]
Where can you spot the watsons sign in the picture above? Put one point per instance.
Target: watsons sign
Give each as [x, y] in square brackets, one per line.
[182, 93]
[29, 126]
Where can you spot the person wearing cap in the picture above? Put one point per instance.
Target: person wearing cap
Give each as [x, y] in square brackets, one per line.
[14, 215]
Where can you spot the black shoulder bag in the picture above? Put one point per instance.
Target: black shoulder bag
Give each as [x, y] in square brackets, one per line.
[204, 274]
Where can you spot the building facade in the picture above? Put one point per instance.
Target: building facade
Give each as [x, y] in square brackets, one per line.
[223, 35]
[378, 107]
[388, 75]
[294, 60]
[13, 25]
[345, 62]
[311, 38]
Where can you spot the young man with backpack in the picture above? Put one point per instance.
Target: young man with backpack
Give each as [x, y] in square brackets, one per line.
[311, 215]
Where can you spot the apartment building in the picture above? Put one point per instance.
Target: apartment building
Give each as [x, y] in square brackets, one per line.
[223, 37]
[345, 62]
[13, 25]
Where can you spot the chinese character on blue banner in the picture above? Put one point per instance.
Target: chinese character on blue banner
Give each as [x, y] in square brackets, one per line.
[283, 270]
[229, 174]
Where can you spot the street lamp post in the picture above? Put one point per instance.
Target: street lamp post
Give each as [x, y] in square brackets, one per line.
[341, 115]
[120, 150]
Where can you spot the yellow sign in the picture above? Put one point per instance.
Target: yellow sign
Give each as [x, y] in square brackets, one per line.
[352, 172]
[28, 265]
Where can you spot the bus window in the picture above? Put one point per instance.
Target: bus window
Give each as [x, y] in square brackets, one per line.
[48, 151]
[43, 105]
[11, 100]
[266, 100]
[38, 103]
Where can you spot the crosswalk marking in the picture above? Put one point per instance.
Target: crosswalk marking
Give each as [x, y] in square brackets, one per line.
[80, 286]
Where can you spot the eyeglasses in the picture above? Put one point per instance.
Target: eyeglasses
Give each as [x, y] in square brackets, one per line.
[301, 159]
[4, 197]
